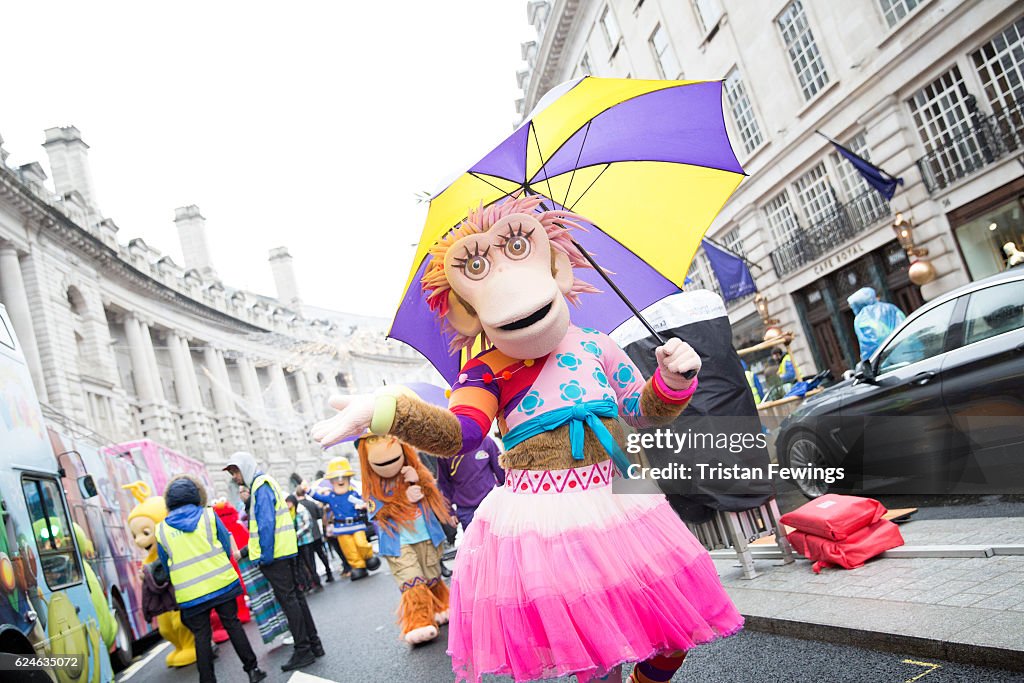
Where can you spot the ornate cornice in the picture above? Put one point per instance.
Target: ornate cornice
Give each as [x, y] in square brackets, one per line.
[549, 54]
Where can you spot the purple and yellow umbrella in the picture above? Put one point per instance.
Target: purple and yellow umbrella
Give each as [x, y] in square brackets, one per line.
[648, 163]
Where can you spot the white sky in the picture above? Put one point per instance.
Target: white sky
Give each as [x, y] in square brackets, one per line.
[309, 125]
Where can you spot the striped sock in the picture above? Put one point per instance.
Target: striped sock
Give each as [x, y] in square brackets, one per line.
[657, 669]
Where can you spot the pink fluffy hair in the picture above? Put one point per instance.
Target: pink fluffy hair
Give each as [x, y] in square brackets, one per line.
[557, 225]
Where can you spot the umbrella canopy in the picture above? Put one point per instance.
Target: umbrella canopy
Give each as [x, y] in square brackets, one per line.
[649, 163]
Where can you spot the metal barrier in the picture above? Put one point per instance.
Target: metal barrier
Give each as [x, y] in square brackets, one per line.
[737, 530]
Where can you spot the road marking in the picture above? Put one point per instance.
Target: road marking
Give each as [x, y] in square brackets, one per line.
[134, 668]
[299, 677]
[932, 667]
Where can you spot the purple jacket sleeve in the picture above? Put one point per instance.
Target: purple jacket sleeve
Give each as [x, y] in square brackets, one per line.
[444, 480]
[492, 448]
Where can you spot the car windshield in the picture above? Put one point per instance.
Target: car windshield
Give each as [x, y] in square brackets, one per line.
[922, 338]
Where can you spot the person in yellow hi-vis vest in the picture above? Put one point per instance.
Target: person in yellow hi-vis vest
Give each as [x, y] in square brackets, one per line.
[274, 549]
[195, 548]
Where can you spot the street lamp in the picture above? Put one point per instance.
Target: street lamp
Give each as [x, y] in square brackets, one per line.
[770, 323]
[921, 270]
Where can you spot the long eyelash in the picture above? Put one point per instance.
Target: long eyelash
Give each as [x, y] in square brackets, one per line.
[513, 233]
[461, 262]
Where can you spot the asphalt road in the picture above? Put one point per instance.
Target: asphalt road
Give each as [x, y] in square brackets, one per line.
[356, 623]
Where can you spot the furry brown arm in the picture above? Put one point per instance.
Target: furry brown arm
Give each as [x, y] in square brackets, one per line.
[427, 427]
[655, 411]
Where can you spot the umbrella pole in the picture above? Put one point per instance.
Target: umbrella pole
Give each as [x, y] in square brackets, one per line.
[650, 328]
[615, 288]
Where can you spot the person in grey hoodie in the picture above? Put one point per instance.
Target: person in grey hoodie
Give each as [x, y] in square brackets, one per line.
[185, 497]
[281, 572]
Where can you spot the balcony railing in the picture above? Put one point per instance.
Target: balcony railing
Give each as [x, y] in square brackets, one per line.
[838, 224]
[973, 145]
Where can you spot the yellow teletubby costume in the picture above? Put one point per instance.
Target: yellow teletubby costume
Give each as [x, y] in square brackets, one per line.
[142, 521]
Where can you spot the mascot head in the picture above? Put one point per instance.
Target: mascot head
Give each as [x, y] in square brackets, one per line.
[505, 273]
[381, 459]
[144, 517]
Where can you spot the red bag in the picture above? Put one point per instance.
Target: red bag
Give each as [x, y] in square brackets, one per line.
[857, 549]
[834, 516]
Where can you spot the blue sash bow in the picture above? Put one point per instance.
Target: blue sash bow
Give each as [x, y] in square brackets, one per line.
[576, 416]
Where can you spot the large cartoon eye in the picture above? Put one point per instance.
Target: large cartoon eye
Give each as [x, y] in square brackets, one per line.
[517, 247]
[475, 265]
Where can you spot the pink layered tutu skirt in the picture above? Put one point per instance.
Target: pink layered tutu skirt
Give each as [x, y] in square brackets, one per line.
[557, 575]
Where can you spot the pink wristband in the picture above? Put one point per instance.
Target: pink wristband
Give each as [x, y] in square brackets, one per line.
[671, 395]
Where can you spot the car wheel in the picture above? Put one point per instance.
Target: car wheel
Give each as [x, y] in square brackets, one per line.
[122, 654]
[805, 451]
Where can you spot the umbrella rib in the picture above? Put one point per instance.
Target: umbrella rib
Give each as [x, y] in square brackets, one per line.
[544, 162]
[505, 193]
[583, 194]
[578, 157]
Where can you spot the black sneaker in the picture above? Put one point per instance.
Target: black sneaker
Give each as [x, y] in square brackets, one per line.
[359, 573]
[257, 675]
[445, 571]
[298, 661]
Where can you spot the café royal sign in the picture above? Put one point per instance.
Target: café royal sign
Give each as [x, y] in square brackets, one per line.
[838, 258]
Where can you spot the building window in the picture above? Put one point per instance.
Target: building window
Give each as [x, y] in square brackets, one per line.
[664, 55]
[782, 221]
[943, 121]
[732, 241]
[895, 10]
[708, 13]
[864, 202]
[1000, 65]
[610, 29]
[815, 195]
[585, 68]
[742, 111]
[803, 51]
[982, 238]
[700, 275]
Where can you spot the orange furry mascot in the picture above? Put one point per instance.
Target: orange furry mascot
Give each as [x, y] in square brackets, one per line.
[403, 500]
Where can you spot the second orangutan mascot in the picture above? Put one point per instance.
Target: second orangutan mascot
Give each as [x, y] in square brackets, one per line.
[402, 498]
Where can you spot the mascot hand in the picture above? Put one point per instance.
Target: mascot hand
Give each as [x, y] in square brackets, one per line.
[410, 474]
[414, 494]
[353, 418]
[675, 358]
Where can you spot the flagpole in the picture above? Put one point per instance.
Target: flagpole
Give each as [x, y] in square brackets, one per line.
[730, 251]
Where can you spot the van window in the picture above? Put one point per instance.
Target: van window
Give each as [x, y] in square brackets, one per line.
[52, 531]
[995, 310]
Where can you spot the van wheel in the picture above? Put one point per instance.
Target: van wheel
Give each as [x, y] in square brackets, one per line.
[123, 652]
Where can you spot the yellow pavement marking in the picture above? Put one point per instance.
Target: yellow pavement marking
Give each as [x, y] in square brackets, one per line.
[932, 668]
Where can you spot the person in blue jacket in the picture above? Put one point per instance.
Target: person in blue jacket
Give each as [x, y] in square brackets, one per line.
[195, 547]
[874, 320]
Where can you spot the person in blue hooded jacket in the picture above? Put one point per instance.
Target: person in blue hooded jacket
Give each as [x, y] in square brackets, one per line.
[195, 547]
[874, 320]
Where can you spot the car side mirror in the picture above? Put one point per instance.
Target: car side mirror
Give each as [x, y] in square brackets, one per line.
[865, 372]
[87, 486]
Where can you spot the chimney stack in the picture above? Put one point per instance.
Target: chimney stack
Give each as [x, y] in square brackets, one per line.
[69, 163]
[192, 235]
[284, 279]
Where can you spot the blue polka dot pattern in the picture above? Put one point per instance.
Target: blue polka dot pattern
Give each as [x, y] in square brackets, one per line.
[572, 391]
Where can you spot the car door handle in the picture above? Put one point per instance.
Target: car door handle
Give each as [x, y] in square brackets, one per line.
[924, 377]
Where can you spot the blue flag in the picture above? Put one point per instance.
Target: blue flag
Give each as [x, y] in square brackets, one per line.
[875, 177]
[731, 271]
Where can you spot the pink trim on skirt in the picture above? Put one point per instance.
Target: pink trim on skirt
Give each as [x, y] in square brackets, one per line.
[578, 583]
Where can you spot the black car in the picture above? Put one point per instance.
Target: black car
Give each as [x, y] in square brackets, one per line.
[938, 408]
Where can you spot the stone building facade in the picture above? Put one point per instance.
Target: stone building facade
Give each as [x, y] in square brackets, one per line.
[125, 343]
[930, 90]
